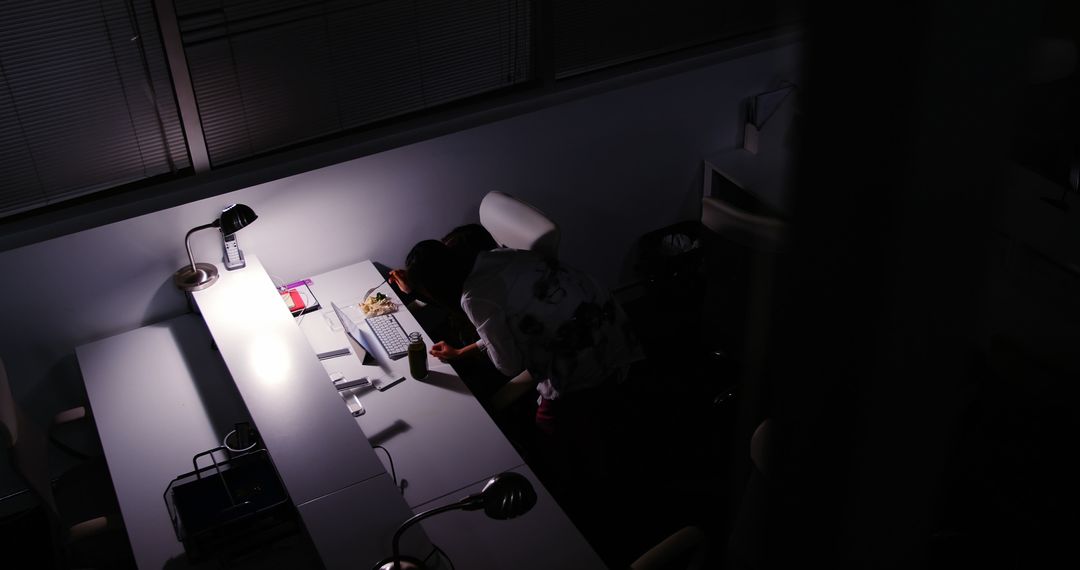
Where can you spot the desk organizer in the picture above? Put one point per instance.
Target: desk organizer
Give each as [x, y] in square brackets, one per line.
[229, 507]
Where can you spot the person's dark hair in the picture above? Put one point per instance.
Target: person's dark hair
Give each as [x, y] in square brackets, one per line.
[436, 272]
[470, 240]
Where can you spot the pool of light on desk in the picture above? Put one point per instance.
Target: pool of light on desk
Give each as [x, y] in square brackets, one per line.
[267, 354]
[269, 359]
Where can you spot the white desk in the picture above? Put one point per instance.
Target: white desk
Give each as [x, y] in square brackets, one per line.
[440, 437]
[443, 443]
[159, 395]
[316, 448]
[765, 175]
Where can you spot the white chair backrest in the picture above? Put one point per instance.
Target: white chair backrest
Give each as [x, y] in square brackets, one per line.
[518, 225]
[9, 423]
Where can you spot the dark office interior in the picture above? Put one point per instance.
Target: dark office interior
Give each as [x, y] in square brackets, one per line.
[909, 342]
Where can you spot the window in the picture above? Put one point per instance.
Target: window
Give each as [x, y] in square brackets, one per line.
[601, 33]
[269, 74]
[85, 100]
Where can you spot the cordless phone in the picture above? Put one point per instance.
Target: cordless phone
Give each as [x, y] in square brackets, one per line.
[233, 257]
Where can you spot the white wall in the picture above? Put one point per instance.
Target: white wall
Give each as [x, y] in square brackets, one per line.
[607, 168]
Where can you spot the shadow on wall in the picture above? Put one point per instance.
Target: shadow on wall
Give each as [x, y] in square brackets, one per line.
[163, 304]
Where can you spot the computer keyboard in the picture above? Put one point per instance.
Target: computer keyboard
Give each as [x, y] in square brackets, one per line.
[390, 334]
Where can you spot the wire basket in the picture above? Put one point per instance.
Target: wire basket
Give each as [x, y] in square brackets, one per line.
[229, 507]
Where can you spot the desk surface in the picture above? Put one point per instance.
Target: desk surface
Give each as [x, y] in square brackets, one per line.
[439, 436]
[766, 174]
[315, 445]
[443, 443]
[160, 394]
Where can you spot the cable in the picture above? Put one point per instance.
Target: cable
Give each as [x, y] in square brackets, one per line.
[308, 303]
[435, 548]
[304, 294]
[393, 473]
[225, 443]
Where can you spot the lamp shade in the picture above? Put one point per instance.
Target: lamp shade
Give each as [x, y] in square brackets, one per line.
[505, 496]
[235, 217]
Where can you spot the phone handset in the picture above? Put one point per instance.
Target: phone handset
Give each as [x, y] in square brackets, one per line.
[233, 258]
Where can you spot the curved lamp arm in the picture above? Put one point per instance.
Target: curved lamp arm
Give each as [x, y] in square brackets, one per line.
[417, 518]
[187, 243]
[505, 496]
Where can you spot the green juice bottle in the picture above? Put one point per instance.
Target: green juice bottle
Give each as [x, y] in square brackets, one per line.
[417, 356]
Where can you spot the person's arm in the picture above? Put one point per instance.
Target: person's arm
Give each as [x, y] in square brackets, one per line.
[495, 336]
[400, 278]
[445, 352]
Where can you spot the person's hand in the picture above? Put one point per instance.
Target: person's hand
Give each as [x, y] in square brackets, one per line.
[400, 279]
[445, 352]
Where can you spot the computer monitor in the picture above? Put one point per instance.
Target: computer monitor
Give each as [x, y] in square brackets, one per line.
[359, 343]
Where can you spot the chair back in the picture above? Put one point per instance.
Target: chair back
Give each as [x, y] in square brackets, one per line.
[28, 448]
[518, 225]
[686, 549]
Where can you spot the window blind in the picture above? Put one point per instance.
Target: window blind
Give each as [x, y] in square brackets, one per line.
[593, 35]
[86, 102]
[273, 73]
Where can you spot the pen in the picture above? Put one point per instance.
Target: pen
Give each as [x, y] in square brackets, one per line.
[297, 284]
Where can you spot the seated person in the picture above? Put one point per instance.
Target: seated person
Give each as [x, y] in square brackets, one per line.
[468, 240]
[531, 314]
[451, 324]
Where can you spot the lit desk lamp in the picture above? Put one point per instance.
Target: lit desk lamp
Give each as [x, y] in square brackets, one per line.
[505, 496]
[202, 275]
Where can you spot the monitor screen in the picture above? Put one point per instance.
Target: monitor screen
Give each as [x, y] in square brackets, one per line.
[356, 338]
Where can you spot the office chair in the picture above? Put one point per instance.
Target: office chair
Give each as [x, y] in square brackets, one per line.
[683, 550]
[77, 538]
[518, 225]
[514, 389]
[746, 543]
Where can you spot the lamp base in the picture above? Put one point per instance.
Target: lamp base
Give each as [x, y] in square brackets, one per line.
[404, 562]
[197, 279]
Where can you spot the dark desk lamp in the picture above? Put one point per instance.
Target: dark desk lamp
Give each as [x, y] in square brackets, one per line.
[202, 275]
[505, 496]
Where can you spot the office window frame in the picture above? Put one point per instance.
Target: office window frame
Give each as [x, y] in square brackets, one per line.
[146, 196]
